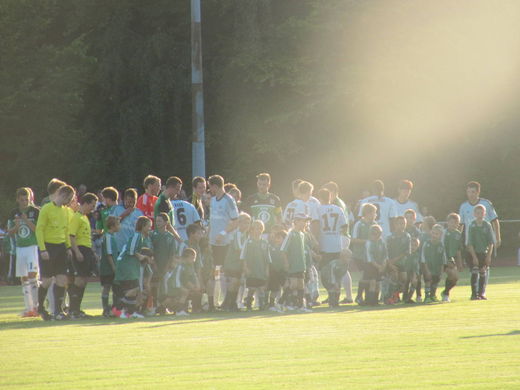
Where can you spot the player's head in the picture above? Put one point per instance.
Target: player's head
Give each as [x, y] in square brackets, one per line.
[453, 221]
[427, 223]
[88, 202]
[113, 223]
[405, 189]
[473, 191]
[235, 193]
[415, 243]
[479, 212]
[189, 255]
[64, 195]
[263, 182]
[333, 188]
[305, 190]
[278, 238]
[152, 185]
[257, 228]
[130, 198]
[378, 188]
[198, 185]
[173, 187]
[244, 222]
[295, 185]
[411, 217]
[54, 185]
[110, 196]
[301, 221]
[400, 224]
[324, 196]
[369, 212]
[437, 231]
[143, 225]
[161, 221]
[194, 232]
[23, 197]
[216, 184]
[375, 232]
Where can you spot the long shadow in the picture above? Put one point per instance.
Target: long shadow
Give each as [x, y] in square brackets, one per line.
[512, 333]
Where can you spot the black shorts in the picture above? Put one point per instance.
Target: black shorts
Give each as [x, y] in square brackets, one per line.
[276, 280]
[481, 260]
[255, 283]
[219, 254]
[106, 280]
[297, 275]
[371, 273]
[82, 268]
[326, 258]
[57, 263]
[127, 285]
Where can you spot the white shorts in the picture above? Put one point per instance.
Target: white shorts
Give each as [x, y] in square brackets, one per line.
[26, 260]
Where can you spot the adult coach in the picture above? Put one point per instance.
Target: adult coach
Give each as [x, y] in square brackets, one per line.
[385, 206]
[264, 205]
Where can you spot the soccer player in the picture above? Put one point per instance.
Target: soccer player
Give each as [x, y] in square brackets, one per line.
[223, 220]
[304, 203]
[110, 198]
[433, 262]
[128, 215]
[294, 249]
[403, 201]
[399, 247]
[198, 185]
[332, 233]
[22, 225]
[256, 258]
[336, 200]
[52, 234]
[164, 205]
[480, 244]
[377, 257]
[360, 235]
[264, 205]
[181, 282]
[107, 264]
[411, 227]
[453, 239]
[233, 265]
[386, 210]
[128, 268]
[277, 271]
[82, 254]
[146, 202]
[424, 236]
[411, 266]
[185, 214]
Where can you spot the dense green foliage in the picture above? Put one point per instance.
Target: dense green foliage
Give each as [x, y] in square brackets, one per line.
[98, 92]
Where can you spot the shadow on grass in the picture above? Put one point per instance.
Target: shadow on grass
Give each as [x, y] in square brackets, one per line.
[512, 333]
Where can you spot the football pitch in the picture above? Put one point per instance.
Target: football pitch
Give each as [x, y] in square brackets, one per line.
[464, 345]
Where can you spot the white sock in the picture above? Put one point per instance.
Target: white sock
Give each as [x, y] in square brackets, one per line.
[347, 284]
[223, 284]
[50, 298]
[27, 297]
[34, 292]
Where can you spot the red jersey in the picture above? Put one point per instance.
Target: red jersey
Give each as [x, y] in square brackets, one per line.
[146, 204]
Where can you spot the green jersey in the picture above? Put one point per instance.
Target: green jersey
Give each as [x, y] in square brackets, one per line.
[182, 276]
[411, 262]
[413, 231]
[360, 231]
[257, 258]
[265, 207]
[24, 236]
[164, 249]
[480, 236]
[127, 265]
[108, 248]
[294, 248]
[164, 205]
[398, 245]
[452, 243]
[199, 260]
[277, 259]
[376, 251]
[104, 213]
[433, 255]
[232, 262]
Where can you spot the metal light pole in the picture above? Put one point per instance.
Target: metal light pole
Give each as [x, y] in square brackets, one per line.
[197, 96]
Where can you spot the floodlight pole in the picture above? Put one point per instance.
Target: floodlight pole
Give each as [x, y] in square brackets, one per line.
[197, 96]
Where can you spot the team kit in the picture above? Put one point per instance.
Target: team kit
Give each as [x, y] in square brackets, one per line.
[165, 253]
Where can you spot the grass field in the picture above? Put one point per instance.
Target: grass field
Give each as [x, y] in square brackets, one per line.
[463, 345]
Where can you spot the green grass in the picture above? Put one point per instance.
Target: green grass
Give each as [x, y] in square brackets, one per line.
[464, 345]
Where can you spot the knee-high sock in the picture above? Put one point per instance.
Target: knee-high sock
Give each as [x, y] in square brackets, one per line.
[34, 292]
[42, 293]
[347, 285]
[59, 294]
[474, 281]
[50, 297]
[27, 296]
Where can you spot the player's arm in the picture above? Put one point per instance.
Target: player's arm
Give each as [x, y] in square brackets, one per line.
[41, 224]
[75, 249]
[489, 251]
[12, 226]
[496, 228]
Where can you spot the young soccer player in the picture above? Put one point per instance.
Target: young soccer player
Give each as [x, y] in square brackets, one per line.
[164, 205]
[128, 215]
[433, 262]
[278, 269]
[399, 247]
[233, 265]
[146, 202]
[107, 265]
[128, 268]
[304, 203]
[22, 225]
[480, 244]
[386, 210]
[83, 256]
[257, 260]
[411, 266]
[377, 257]
[424, 236]
[360, 235]
[411, 220]
[52, 234]
[294, 249]
[453, 239]
[181, 282]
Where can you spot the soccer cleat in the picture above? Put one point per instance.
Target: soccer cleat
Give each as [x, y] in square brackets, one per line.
[427, 300]
[433, 298]
[474, 298]
[61, 317]
[346, 301]
[482, 298]
[44, 314]
[151, 312]
[409, 301]
[116, 312]
[304, 310]
[26, 314]
[182, 313]
[445, 297]
[359, 301]
[418, 299]
[136, 315]
[106, 313]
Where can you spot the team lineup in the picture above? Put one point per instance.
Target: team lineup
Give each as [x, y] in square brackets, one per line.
[162, 253]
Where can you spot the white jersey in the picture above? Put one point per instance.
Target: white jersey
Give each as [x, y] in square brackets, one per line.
[467, 216]
[297, 206]
[400, 209]
[385, 211]
[185, 215]
[332, 220]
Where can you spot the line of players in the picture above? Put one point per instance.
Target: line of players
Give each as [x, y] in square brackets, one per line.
[164, 255]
